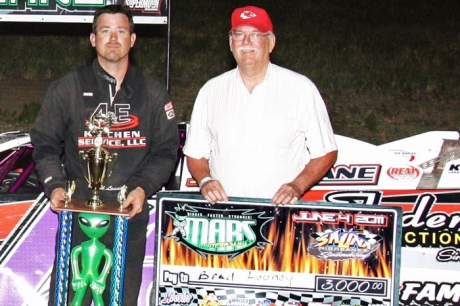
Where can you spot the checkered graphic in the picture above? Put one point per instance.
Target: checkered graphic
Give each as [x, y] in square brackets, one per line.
[260, 297]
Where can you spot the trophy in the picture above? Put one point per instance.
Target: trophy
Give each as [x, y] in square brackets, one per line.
[97, 159]
[97, 165]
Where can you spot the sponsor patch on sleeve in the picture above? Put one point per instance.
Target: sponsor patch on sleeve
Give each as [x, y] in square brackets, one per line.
[169, 109]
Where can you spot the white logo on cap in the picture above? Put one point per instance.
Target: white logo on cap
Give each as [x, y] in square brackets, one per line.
[247, 15]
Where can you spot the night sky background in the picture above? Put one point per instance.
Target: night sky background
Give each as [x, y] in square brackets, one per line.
[386, 69]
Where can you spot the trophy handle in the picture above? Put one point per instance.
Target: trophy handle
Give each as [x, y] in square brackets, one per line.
[69, 190]
[83, 158]
[113, 158]
[122, 194]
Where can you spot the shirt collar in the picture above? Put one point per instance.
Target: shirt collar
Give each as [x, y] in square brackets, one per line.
[267, 73]
[125, 88]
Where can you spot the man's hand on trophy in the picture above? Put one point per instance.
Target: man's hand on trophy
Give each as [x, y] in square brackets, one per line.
[135, 201]
[57, 198]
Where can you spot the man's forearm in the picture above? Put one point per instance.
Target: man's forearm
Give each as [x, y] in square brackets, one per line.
[199, 168]
[314, 171]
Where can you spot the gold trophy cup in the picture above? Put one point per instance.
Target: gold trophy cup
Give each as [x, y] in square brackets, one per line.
[97, 159]
[97, 165]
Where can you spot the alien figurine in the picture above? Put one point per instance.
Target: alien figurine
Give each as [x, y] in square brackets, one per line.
[92, 252]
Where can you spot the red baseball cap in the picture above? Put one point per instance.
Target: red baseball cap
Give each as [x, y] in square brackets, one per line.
[252, 16]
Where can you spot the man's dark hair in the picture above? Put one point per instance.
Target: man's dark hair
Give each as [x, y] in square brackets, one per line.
[114, 9]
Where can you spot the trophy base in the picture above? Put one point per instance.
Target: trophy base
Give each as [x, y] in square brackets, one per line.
[106, 208]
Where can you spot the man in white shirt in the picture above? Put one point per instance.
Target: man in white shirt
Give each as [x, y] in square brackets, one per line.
[258, 130]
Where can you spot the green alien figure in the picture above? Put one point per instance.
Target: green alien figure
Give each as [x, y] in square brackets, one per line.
[91, 252]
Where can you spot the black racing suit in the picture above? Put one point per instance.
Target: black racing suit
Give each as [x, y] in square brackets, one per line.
[144, 135]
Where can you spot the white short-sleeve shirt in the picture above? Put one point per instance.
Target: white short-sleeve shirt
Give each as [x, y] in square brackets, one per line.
[255, 142]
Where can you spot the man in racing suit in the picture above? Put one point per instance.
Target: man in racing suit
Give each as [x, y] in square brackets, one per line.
[143, 134]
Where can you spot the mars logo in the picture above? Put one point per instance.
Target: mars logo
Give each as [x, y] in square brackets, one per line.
[340, 244]
[403, 173]
[212, 231]
[352, 175]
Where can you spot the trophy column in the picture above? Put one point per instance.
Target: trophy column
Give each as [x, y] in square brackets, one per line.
[63, 259]
[91, 261]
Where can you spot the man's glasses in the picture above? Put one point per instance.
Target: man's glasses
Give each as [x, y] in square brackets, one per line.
[254, 36]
